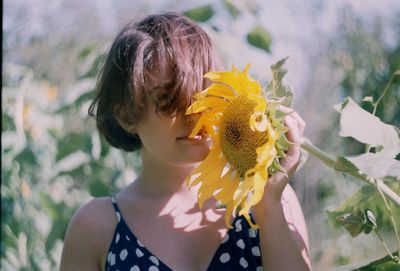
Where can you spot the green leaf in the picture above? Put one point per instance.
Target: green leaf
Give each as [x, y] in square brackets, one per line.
[200, 14]
[368, 198]
[71, 143]
[98, 189]
[85, 51]
[353, 222]
[7, 122]
[259, 37]
[232, 9]
[26, 158]
[57, 232]
[368, 129]
[383, 264]
[376, 165]
[277, 86]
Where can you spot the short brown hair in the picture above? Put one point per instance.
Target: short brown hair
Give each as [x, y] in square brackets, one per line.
[166, 44]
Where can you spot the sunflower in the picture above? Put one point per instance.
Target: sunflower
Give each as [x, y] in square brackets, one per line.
[246, 138]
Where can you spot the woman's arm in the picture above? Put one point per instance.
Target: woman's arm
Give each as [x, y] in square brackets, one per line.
[283, 232]
[88, 235]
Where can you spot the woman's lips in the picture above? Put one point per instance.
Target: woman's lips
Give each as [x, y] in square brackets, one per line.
[199, 137]
[196, 138]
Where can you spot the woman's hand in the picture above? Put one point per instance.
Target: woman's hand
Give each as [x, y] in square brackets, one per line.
[277, 183]
[283, 232]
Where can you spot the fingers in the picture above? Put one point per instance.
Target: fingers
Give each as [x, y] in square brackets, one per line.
[292, 158]
[290, 112]
[289, 164]
[296, 127]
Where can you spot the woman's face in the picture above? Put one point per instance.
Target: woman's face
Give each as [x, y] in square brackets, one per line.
[166, 139]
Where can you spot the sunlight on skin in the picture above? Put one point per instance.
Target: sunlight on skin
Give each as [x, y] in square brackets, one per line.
[184, 219]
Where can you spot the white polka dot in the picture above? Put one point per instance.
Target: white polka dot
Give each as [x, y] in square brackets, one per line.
[240, 243]
[127, 237]
[119, 217]
[140, 243]
[113, 200]
[111, 258]
[224, 258]
[238, 225]
[154, 260]
[153, 268]
[139, 253]
[123, 254]
[259, 268]
[256, 251]
[243, 262]
[135, 268]
[252, 233]
[226, 238]
[117, 238]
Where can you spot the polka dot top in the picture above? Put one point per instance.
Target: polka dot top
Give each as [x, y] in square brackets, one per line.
[239, 250]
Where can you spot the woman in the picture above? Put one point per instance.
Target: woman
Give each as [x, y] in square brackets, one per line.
[148, 80]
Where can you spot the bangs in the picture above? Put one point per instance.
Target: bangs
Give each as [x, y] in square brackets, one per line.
[174, 65]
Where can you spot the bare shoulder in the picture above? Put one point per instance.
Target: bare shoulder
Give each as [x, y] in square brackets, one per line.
[88, 236]
[294, 216]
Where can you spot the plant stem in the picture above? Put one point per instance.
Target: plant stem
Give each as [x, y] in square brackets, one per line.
[330, 162]
[383, 94]
[391, 217]
[311, 149]
[375, 104]
[394, 258]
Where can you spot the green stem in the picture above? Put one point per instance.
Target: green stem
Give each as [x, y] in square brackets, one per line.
[311, 149]
[394, 258]
[391, 217]
[383, 94]
[375, 104]
[330, 162]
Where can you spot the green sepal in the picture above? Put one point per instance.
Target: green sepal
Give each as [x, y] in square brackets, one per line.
[274, 167]
[277, 88]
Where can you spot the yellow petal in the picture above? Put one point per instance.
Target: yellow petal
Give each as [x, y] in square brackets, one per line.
[252, 225]
[261, 102]
[229, 78]
[228, 213]
[229, 184]
[220, 90]
[243, 189]
[258, 121]
[202, 121]
[266, 153]
[212, 156]
[259, 186]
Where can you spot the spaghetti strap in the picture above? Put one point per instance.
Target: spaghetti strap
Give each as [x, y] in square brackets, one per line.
[116, 208]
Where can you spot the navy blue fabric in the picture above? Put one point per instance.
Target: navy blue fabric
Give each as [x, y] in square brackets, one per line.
[240, 249]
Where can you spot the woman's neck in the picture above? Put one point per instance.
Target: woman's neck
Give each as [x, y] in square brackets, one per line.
[162, 179]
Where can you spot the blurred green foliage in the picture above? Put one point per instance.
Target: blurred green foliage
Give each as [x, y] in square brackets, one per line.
[260, 38]
[53, 160]
[200, 14]
[368, 65]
